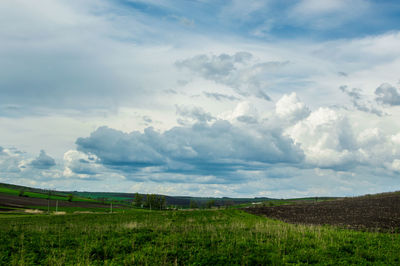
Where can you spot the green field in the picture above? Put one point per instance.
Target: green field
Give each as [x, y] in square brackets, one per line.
[213, 237]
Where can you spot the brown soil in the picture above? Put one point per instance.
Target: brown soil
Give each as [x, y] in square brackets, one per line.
[377, 212]
[25, 202]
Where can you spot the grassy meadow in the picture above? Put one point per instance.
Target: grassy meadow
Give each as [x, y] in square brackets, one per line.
[213, 237]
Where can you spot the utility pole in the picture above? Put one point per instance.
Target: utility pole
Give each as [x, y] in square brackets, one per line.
[111, 207]
[56, 205]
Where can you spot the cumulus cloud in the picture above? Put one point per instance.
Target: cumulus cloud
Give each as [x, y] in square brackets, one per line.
[237, 71]
[11, 161]
[387, 94]
[217, 149]
[244, 112]
[17, 166]
[290, 108]
[43, 161]
[80, 165]
[326, 138]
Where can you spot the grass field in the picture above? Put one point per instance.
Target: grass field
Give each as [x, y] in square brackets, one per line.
[214, 237]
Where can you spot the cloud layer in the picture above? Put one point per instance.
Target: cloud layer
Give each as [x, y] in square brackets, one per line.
[219, 148]
[229, 98]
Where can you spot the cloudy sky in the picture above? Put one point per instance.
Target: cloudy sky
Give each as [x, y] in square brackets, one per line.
[205, 98]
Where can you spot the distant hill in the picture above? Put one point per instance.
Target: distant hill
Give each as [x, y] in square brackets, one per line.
[179, 201]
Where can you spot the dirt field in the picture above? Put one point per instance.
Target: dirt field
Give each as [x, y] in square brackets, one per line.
[24, 202]
[376, 212]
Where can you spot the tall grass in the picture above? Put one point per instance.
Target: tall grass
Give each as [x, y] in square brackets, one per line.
[185, 237]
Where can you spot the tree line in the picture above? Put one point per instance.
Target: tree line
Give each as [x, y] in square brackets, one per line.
[158, 202]
[150, 201]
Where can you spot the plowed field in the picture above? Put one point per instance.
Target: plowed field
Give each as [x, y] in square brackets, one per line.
[24, 202]
[376, 212]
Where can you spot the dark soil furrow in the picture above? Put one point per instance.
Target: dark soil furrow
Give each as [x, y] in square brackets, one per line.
[377, 212]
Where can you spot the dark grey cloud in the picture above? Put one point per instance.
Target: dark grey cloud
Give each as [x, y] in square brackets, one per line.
[261, 94]
[82, 167]
[387, 94]
[170, 91]
[147, 119]
[118, 149]
[214, 67]
[196, 113]
[247, 119]
[359, 102]
[43, 161]
[220, 96]
[217, 149]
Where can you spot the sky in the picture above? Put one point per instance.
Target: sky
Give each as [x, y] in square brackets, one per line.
[257, 98]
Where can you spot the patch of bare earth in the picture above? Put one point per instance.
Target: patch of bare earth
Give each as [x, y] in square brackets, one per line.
[376, 212]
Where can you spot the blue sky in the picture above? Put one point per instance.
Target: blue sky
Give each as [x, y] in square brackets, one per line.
[203, 98]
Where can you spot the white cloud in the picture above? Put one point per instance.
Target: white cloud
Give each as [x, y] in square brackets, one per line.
[326, 137]
[238, 71]
[43, 161]
[244, 111]
[11, 161]
[290, 108]
[80, 165]
[395, 165]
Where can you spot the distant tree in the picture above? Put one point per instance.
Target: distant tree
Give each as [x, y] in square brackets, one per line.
[151, 202]
[137, 201]
[21, 193]
[229, 203]
[147, 201]
[210, 203]
[193, 204]
[70, 197]
[154, 202]
[162, 202]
